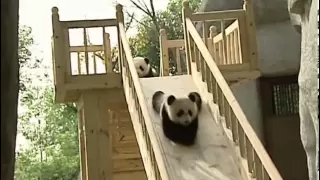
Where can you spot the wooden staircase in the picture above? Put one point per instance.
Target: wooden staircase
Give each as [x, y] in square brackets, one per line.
[126, 157]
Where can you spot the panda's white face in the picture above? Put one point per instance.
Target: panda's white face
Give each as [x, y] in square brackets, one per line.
[142, 66]
[181, 110]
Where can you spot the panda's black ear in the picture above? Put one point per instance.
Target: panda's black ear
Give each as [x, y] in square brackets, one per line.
[171, 99]
[192, 96]
[146, 60]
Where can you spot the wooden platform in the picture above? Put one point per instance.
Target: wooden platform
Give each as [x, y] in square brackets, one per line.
[211, 158]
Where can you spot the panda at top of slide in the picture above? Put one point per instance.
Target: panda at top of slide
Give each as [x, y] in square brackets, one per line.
[144, 68]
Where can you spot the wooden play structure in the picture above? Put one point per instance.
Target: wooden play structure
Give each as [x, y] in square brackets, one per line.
[120, 136]
[233, 50]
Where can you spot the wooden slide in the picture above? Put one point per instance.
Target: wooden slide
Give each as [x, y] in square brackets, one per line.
[212, 157]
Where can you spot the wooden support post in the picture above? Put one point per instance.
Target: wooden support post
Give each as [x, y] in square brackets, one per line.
[59, 61]
[211, 44]
[82, 150]
[186, 13]
[164, 54]
[96, 105]
[251, 35]
[107, 52]
[120, 18]
[178, 61]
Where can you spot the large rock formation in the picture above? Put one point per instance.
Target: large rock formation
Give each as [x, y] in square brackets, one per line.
[9, 85]
[305, 13]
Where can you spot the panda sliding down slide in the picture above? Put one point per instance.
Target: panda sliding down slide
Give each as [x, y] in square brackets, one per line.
[179, 115]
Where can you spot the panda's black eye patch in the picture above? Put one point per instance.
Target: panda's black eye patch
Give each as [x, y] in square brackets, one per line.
[180, 113]
[141, 68]
[190, 112]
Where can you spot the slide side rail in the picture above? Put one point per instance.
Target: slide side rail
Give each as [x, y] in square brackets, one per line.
[259, 164]
[148, 144]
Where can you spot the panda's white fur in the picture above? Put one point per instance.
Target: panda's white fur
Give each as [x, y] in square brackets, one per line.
[143, 67]
[188, 110]
[179, 116]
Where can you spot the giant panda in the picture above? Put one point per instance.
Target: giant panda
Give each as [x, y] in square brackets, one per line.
[179, 116]
[144, 68]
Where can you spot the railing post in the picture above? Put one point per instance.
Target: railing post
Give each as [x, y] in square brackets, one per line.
[186, 12]
[107, 52]
[164, 55]
[119, 16]
[211, 44]
[251, 35]
[58, 53]
[178, 61]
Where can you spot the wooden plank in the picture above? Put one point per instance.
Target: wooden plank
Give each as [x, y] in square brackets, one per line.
[128, 165]
[175, 43]
[97, 106]
[217, 15]
[90, 48]
[91, 127]
[83, 163]
[135, 175]
[94, 81]
[126, 156]
[89, 23]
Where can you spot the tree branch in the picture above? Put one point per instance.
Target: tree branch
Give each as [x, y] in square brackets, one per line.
[152, 8]
[133, 18]
[153, 17]
[128, 24]
[145, 5]
[99, 55]
[151, 14]
[146, 11]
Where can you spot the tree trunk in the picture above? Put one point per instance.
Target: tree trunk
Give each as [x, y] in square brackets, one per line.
[9, 85]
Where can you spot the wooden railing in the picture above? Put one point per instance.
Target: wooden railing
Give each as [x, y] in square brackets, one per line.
[172, 55]
[86, 54]
[234, 49]
[81, 67]
[91, 59]
[226, 49]
[142, 123]
[204, 69]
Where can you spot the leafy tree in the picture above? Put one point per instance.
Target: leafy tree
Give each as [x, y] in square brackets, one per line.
[50, 128]
[24, 55]
[146, 42]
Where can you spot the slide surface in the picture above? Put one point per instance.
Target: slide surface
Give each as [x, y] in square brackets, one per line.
[211, 158]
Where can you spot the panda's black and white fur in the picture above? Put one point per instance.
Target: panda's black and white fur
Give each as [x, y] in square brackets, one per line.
[179, 116]
[143, 67]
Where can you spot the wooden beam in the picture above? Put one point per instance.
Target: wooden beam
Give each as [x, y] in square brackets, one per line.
[89, 23]
[97, 105]
[94, 81]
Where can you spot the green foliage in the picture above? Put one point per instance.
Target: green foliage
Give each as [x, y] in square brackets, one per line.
[146, 42]
[50, 128]
[25, 43]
